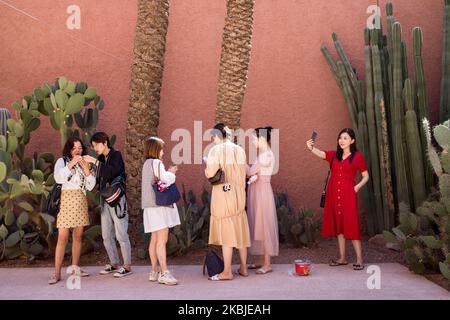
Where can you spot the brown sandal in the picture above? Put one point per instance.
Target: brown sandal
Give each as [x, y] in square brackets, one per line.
[335, 263]
[239, 273]
[263, 271]
[54, 279]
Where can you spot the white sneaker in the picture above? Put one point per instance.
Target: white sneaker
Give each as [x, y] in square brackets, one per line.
[108, 269]
[153, 276]
[122, 273]
[167, 278]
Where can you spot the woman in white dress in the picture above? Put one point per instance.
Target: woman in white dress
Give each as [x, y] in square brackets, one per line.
[158, 219]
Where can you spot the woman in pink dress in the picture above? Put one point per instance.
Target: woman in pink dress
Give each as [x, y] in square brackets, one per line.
[261, 210]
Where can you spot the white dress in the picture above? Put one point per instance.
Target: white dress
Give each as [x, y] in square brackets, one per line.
[158, 218]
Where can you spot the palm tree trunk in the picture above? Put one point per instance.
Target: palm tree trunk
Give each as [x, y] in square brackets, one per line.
[146, 80]
[234, 61]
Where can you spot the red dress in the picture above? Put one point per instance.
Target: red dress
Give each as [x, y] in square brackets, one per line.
[341, 210]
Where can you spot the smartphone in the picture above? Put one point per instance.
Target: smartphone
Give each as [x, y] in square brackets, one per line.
[314, 136]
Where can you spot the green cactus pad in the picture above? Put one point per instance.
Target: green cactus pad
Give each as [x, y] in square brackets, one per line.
[435, 161]
[61, 99]
[13, 143]
[442, 136]
[431, 242]
[23, 219]
[3, 232]
[70, 88]
[62, 81]
[74, 104]
[90, 93]
[14, 238]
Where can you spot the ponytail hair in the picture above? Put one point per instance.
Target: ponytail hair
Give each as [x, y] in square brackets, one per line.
[264, 132]
[222, 131]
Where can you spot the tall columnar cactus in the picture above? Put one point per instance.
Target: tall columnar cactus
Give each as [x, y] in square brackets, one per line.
[348, 67]
[405, 71]
[419, 72]
[414, 144]
[371, 127]
[386, 165]
[390, 25]
[4, 116]
[422, 100]
[444, 112]
[355, 98]
[363, 142]
[397, 116]
[348, 94]
[393, 174]
[387, 213]
[390, 48]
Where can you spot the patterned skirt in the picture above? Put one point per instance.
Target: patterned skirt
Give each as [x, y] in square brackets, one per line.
[73, 211]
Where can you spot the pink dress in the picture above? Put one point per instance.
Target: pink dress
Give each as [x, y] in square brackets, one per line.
[261, 210]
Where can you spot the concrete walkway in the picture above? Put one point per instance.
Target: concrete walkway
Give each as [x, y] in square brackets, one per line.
[324, 283]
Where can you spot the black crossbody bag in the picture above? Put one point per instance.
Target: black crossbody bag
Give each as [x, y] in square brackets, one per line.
[53, 203]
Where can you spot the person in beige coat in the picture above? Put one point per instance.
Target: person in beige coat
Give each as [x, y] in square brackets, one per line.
[228, 225]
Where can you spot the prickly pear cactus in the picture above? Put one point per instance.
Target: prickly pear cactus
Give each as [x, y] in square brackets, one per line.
[66, 101]
[424, 235]
[25, 182]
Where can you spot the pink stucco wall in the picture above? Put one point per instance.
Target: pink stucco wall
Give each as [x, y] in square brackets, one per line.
[289, 87]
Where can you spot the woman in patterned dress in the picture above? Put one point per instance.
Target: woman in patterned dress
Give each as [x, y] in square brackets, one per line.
[73, 173]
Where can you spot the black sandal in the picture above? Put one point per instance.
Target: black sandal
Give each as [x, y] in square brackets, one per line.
[358, 267]
[335, 263]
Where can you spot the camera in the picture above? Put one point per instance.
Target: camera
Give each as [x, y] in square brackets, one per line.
[226, 187]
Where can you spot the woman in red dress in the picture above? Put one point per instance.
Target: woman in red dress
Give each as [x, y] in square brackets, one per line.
[340, 218]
